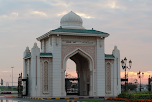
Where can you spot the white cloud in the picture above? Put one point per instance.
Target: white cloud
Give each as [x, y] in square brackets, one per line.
[3, 16]
[112, 4]
[84, 15]
[80, 14]
[61, 14]
[39, 13]
[14, 13]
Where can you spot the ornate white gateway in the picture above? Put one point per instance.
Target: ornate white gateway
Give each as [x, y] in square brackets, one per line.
[99, 73]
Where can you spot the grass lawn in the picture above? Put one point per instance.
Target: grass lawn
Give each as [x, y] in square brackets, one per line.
[2, 88]
[9, 89]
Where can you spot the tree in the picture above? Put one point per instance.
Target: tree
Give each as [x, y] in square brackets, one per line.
[132, 86]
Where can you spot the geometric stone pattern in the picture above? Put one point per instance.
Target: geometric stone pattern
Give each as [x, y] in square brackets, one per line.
[90, 50]
[108, 77]
[108, 74]
[45, 73]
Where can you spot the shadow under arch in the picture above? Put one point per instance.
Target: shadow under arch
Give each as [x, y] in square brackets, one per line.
[81, 52]
[85, 75]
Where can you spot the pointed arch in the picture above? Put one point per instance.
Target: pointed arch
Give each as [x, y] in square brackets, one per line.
[81, 52]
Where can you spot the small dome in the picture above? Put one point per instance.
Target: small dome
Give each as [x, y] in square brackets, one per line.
[71, 21]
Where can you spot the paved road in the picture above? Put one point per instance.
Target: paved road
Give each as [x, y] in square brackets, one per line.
[13, 99]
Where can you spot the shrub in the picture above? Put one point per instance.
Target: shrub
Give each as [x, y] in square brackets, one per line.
[122, 95]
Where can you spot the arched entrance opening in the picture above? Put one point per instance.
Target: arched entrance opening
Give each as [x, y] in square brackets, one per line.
[84, 67]
[71, 79]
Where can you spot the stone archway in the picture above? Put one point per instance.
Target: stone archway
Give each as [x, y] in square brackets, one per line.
[84, 68]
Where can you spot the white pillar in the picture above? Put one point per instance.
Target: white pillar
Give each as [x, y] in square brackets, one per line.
[35, 71]
[26, 52]
[117, 80]
[99, 71]
[56, 63]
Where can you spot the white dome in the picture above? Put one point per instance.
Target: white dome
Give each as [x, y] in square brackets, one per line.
[71, 21]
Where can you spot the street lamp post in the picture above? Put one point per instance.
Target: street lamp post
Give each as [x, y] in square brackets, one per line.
[124, 67]
[140, 75]
[12, 75]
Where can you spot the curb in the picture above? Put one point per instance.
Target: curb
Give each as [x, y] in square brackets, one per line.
[73, 98]
[75, 101]
[64, 98]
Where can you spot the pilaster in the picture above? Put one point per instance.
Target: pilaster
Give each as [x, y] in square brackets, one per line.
[56, 81]
[35, 70]
[117, 79]
[99, 75]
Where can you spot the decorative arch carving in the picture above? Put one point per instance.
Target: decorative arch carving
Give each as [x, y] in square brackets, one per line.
[81, 52]
[89, 50]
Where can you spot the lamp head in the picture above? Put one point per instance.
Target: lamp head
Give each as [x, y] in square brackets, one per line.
[130, 63]
[125, 60]
[122, 63]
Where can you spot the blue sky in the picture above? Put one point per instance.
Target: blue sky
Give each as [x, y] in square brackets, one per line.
[129, 23]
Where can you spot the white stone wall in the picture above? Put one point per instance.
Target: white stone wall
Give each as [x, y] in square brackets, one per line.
[56, 63]
[42, 46]
[48, 47]
[93, 46]
[49, 93]
[86, 47]
[115, 73]
[100, 68]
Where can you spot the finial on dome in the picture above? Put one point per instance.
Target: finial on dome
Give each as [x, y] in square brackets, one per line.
[115, 47]
[35, 45]
[27, 48]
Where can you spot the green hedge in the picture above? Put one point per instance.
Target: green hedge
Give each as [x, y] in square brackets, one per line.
[139, 95]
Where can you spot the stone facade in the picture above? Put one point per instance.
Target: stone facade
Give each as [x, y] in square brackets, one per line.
[99, 73]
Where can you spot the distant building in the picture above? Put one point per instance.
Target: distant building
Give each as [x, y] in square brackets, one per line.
[143, 88]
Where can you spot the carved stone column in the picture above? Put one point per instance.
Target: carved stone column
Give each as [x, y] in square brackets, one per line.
[84, 83]
[63, 93]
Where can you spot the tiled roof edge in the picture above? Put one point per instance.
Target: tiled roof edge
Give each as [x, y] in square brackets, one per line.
[109, 55]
